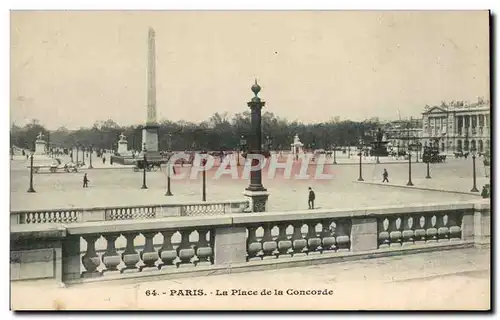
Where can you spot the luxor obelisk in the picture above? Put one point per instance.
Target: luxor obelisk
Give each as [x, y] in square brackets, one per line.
[150, 131]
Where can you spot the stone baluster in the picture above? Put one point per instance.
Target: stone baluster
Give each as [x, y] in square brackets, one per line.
[91, 260]
[284, 244]
[408, 232]
[455, 222]
[420, 234]
[313, 238]
[254, 246]
[185, 250]
[204, 250]
[167, 252]
[443, 230]
[431, 231]
[343, 231]
[269, 246]
[149, 256]
[395, 235]
[130, 256]
[383, 235]
[111, 258]
[299, 244]
[328, 242]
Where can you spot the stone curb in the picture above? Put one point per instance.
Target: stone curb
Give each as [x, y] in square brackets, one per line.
[418, 188]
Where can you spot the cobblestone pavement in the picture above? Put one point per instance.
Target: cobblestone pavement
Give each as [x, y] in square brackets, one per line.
[445, 280]
[122, 187]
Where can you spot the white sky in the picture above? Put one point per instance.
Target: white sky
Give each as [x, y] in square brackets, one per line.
[73, 68]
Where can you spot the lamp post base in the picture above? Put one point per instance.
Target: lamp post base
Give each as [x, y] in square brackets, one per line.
[474, 189]
[360, 179]
[144, 187]
[409, 183]
[31, 190]
[168, 193]
[258, 200]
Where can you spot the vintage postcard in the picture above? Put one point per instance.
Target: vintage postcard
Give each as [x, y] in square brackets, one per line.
[250, 160]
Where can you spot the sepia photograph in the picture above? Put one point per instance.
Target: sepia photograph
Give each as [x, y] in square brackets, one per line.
[250, 160]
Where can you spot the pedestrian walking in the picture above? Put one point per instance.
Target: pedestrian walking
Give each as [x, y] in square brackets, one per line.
[385, 175]
[85, 181]
[103, 160]
[312, 197]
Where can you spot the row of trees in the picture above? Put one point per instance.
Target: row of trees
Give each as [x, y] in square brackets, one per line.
[220, 132]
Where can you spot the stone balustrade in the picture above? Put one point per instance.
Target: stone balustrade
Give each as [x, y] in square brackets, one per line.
[202, 245]
[75, 215]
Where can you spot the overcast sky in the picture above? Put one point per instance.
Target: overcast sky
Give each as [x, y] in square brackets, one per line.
[74, 68]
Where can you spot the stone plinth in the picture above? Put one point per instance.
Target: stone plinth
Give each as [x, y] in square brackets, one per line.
[122, 147]
[40, 147]
[150, 138]
[258, 200]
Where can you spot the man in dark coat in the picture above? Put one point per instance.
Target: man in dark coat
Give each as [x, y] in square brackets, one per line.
[312, 197]
[85, 181]
[385, 175]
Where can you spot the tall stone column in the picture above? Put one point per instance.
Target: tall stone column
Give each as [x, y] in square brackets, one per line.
[150, 130]
[256, 192]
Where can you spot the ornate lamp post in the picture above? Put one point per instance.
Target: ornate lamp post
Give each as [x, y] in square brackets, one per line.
[349, 152]
[409, 167]
[83, 156]
[169, 192]
[474, 188]
[144, 186]
[204, 186]
[360, 160]
[90, 151]
[256, 190]
[31, 189]
[334, 154]
[428, 171]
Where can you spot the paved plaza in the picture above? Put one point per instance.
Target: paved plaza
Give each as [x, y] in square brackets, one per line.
[121, 187]
[445, 280]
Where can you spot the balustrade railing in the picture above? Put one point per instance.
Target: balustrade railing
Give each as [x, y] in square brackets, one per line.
[298, 238]
[419, 228]
[173, 248]
[164, 245]
[74, 215]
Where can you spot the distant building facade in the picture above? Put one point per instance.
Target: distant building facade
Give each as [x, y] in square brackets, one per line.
[401, 133]
[458, 127]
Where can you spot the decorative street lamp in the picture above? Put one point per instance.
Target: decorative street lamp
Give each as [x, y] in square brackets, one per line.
[360, 160]
[409, 167]
[474, 188]
[204, 183]
[256, 190]
[91, 150]
[334, 154]
[144, 186]
[428, 172]
[349, 151]
[31, 189]
[169, 192]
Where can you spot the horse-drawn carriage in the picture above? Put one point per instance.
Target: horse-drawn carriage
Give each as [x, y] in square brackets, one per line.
[56, 166]
[432, 155]
[150, 165]
[461, 154]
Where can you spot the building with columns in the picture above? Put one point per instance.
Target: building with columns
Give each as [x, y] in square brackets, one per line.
[458, 127]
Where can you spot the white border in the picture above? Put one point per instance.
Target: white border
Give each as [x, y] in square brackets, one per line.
[189, 5]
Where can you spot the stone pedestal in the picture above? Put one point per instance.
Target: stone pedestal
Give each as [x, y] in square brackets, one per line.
[122, 147]
[40, 147]
[258, 200]
[150, 138]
